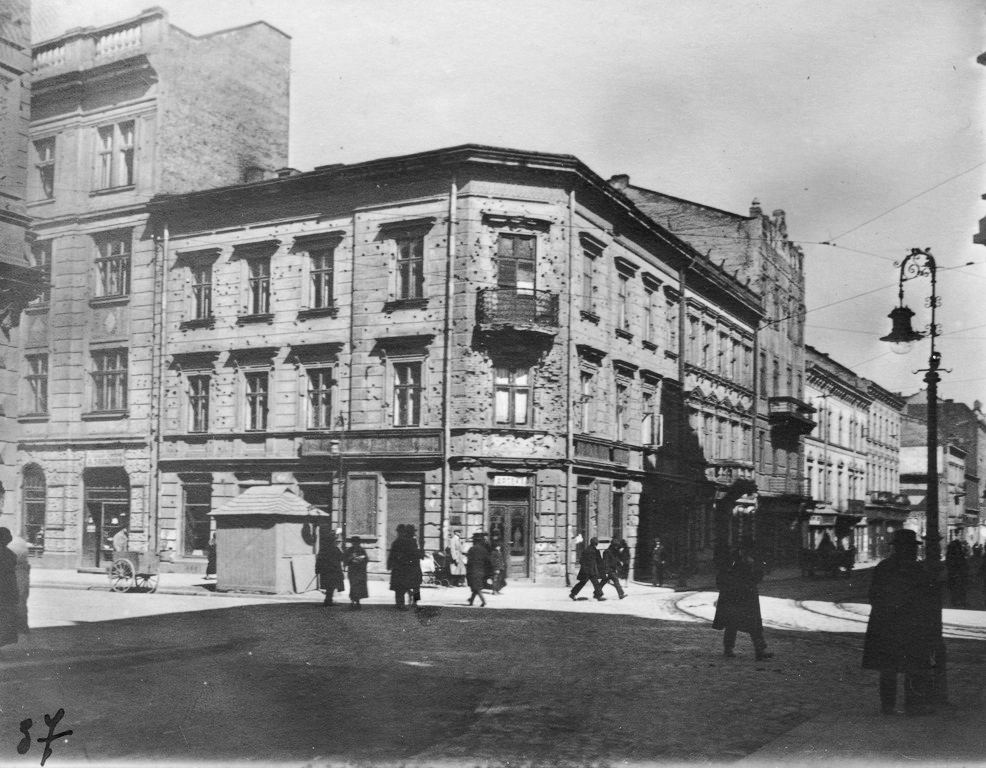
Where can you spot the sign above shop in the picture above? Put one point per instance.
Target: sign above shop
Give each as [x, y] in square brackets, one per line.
[512, 480]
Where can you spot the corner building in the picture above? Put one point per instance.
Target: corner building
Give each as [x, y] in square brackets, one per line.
[118, 114]
[472, 338]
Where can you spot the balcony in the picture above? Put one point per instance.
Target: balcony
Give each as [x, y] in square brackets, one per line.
[784, 486]
[790, 414]
[729, 471]
[517, 309]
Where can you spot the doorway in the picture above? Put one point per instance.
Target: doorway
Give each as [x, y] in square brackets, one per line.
[107, 503]
[405, 505]
[510, 522]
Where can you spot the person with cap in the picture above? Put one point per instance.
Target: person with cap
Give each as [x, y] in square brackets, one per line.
[404, 564]
[328, 566]
[478, 564]
[738, 606]
[611, 568]
[356, 560]
[904, 627]
[9, 610]
[590, 569]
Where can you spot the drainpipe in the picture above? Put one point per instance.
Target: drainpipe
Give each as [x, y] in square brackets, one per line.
[568, 390]
[158, 337]
[453, 202]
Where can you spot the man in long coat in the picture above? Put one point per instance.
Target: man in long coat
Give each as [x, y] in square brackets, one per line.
[404, 564]
[612, 565]
[904, 626]
[457, 566]
[9, 610]
[590, 569]
[328, 566]
[738, 607]
[478, 564]
[356, 560]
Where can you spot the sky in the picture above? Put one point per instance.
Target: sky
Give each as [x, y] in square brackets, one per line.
[862, 119]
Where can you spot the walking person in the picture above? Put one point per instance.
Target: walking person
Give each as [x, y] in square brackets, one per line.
[355, 560]
[328, 566]
[657, 557]
[457, 561]
[611, 568]
[478, 564]
[499, 562]
[404, 564]
[624, 552]
[9, 609]
[590, 569]
[958, 573]
[904, 626]
[210, 563]
[738, 607]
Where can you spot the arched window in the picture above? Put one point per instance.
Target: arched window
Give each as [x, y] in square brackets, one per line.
[33, 499]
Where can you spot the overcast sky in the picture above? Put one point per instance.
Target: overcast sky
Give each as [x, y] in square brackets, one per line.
[863, 120]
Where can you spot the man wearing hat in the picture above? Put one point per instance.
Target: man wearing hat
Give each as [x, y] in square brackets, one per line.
[590, 569]
[904, 626]
[478, 563]
[328, 566]
[738, 606]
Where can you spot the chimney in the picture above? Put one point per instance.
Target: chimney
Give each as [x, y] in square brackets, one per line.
[621, 181]
[283, 173]
[755, 209]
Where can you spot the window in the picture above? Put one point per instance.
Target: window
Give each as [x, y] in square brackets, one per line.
[45, 149]
[113, 266]
[762, 374]
[622, 392]
[34, 500]
[109, 380]
[588, 269]
[707, 346]
[617, 514]
[202, 290]
[257, 384]
[41, 261]
[623, 303]
[651, 423]
[198, 402]
[116, 155]
[407, 394]
[776, 380]
[322, 278]
[320, 385]
[196, 508]
[512, 395]
[258, 282]
[410, 267]
[37, 384]
[515, 262]
[649, 314]
[671, 319]
[585, 401]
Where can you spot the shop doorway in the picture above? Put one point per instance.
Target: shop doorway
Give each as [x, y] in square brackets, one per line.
[510, 522]
[405, 506]
[107, 503]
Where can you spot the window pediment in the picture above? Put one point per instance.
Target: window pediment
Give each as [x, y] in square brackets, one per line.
[256, 250]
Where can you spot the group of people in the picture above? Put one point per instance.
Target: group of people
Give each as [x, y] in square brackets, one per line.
[961, 563]
[331, 562]
[15, 583]
[602, 568]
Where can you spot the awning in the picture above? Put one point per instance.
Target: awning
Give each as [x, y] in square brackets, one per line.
[269, 500]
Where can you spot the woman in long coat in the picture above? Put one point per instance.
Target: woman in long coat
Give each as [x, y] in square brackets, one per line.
[738, 607]
[356, 560]
[404, 564]
[328, 566]
[478, 564]
[9, 608]
[904, 626]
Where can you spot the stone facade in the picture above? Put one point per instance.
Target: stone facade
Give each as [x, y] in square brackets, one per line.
[496, 350]
[120, 113]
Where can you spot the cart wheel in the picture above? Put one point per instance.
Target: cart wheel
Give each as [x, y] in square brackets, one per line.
[121, 575]
[146, 582]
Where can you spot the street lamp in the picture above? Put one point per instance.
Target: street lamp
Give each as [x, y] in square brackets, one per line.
[920, 263]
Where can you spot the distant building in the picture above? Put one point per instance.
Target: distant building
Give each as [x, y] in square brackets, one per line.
[121, 113]
[886, 507]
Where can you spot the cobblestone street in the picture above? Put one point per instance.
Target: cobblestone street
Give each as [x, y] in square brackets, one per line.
[576, 684]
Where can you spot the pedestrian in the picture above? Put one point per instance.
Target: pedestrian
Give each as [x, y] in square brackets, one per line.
[657, 556]
[356, 559]
[904, 626]
[590, 569]
[478, 564]
[328, 566]
[210, 563]
[499, 563]
[625, 562]
[958, 573]
[611, 568]
[9, 599]
[404, 564]
[457, 564]
[738, 607]
[121, 541]
[21, 550]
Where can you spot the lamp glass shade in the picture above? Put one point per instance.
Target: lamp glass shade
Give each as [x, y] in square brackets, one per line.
[901, 336]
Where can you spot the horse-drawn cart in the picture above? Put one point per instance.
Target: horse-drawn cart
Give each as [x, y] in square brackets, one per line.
[135, 571]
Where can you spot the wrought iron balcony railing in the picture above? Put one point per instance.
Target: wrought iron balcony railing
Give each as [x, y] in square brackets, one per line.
[518, 308]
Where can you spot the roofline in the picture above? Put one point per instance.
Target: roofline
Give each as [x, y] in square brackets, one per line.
[461, 153]
[692, 202]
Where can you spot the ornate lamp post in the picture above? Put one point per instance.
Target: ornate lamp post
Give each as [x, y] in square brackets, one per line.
[920, 263]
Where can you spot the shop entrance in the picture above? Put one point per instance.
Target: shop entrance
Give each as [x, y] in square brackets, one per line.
[510, 522]
[107, 500]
